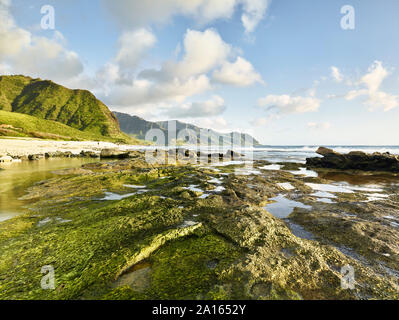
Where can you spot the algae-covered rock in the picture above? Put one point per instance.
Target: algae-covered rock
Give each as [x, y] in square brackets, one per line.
[163, 239]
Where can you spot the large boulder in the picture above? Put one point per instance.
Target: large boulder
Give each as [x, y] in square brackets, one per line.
[326, 151]
[355, 160]
[114, 154]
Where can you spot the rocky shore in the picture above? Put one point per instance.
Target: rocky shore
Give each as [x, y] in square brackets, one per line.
[129, 229]
[12, 149]
[22, 150]
[355, 160]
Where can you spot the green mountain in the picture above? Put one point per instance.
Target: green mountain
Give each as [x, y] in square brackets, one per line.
[137, 127]
[44, 99]
[13, 124]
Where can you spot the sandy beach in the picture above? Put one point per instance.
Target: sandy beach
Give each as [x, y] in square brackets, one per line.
[24, 147]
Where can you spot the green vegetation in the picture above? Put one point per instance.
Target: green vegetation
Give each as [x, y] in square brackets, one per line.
[163, 241]
[14, 124]
[43, 99]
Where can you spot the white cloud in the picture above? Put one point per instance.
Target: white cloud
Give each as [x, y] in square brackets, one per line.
[203, 51]
[212, 107]
[319, 125]
[133, 13]
[380, 98]
[25, 53]
[375, 97]
[287, 104]
[336, 74]
[216, 123]
[254, 11]
[144, 92]
[262, 122]
[240, 73]
[133, 45]
[373, 79]
[176, 80]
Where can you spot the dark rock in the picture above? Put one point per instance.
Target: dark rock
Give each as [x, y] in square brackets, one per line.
[233, 155]
[357, 153]
[113, 154]
[89, 154]
[34, 157]
[182, 153]
[188, 153]
[215, 155]
[355, 160]
[326, 151]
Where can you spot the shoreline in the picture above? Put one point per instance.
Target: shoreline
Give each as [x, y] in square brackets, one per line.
[17, 147]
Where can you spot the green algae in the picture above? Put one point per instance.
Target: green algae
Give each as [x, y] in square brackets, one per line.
[235, 249]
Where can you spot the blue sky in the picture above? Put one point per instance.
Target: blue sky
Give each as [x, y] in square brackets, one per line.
[282, 70]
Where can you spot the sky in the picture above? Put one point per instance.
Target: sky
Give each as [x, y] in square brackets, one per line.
[288, 72]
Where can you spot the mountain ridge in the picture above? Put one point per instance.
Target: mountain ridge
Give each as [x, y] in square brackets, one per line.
[47, 100]
[138, 127]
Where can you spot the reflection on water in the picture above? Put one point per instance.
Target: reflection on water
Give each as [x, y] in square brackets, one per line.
[305, 172]
[299, 231]
[271, 167]
[283, 207]
[328, 188]
[17, 177]
[359, 179]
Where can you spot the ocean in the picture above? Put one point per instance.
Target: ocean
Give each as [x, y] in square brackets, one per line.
[279, 153]
[300, 153]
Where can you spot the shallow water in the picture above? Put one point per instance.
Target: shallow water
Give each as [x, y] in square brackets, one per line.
[193, 188]
[299, 231]
[283, 207]
[328, 188]
[305, 172]
[323, 194]
[215, 180]
[111, 196]
[17, 177]
[271, 167]
[360, 178]
[286, 186]
[138, 277]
